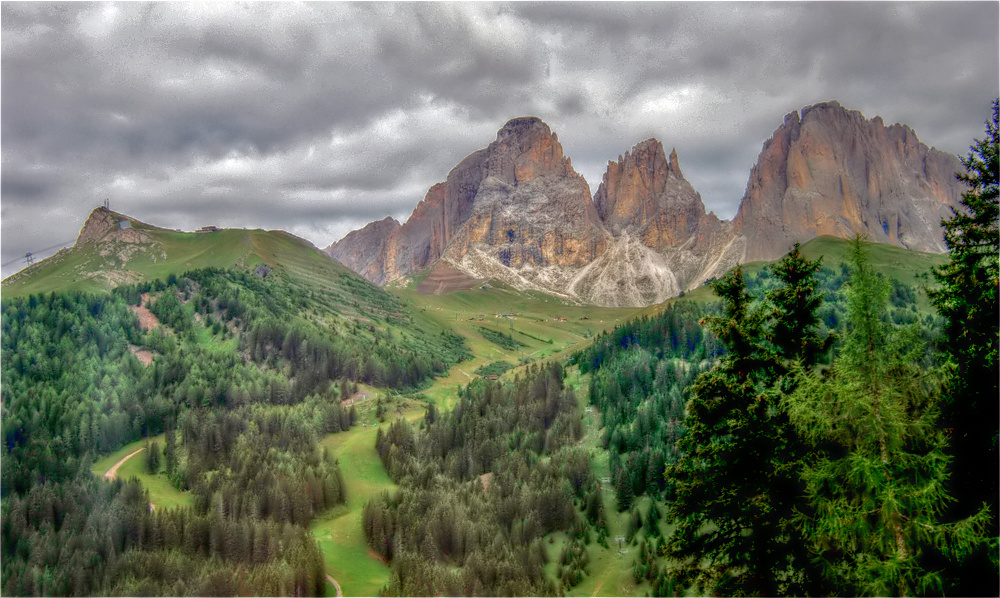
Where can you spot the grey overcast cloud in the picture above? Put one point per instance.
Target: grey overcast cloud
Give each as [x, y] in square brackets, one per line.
[318, 118]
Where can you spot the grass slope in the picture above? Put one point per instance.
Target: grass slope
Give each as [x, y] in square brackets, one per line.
[161, 492]
[84, 268]
[546, 326]
[338, 533]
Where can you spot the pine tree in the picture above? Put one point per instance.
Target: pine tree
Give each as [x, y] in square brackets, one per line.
[795, 304]
[967, 298]
[153, 460]
[736, 483]
[170, 452]
[877, 490]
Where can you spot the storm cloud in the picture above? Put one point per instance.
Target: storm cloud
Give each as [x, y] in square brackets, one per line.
[317, 118]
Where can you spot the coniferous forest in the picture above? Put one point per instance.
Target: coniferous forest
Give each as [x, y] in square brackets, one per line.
[818, 429]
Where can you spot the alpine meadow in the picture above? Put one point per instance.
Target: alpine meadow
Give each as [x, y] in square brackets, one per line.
[424, 353]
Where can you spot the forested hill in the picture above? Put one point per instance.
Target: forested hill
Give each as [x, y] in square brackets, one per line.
[243, 371]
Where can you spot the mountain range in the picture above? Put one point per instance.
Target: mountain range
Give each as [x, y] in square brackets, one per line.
[518, 213]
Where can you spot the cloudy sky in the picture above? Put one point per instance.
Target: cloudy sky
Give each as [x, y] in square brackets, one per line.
[317, 118]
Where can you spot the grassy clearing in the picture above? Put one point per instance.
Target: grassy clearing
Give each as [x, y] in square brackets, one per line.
[339, 532]
[161, 492]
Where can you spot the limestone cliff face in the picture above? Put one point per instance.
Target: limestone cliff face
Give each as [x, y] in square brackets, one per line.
[531, 210]
[517, 212]
[364, 250]
[830, 171]
[518, 203]
[645, 197]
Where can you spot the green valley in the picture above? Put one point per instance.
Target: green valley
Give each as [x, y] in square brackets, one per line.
[274, 368]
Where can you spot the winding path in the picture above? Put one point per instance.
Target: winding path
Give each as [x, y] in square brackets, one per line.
[113, 472]
[335, 585]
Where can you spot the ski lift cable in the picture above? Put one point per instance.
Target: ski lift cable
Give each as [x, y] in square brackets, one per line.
[59, 246]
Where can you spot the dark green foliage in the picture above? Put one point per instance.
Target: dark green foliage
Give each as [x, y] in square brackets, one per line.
[967, 299]
[796, 302]
[876, 488]
[245, 368]
[476, 496]
[737, 484]
[70, 385]
[87, 537]
[497, 368]
[639, 372]
[269, 314]
[152, 458]
[260, 462]
[500, 339]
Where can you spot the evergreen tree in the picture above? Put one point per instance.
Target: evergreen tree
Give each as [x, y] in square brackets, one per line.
[967, 298]
[736, 482]
[795, 305]
[153, 459]
[877, 489]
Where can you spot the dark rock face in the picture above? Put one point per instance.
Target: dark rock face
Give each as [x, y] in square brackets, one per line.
[830, 171]
[364, 250]
[645, 196]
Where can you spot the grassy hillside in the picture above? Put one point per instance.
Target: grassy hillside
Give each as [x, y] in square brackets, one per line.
[543, 326]
[106, 264]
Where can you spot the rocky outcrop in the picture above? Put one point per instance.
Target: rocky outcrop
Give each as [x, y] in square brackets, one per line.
[100, 222]
[831, 171]
[105, 226]
[364, 250]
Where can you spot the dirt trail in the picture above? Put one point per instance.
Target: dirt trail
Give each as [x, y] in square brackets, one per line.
[113, 472]
[335, 585]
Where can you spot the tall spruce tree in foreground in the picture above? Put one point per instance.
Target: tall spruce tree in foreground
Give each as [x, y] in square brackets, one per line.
[967, 298]
[737, 483]
[877, 491]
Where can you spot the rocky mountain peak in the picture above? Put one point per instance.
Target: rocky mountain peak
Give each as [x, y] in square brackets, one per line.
[517, 202]
[645, 195]
[830, 171]
[523, 128]
[675, 167]
[525, 148]
[516, 211]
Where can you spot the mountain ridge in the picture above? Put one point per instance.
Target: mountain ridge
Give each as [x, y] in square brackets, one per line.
[645, 234]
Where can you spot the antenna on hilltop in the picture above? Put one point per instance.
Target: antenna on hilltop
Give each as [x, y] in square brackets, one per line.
[107, 204]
